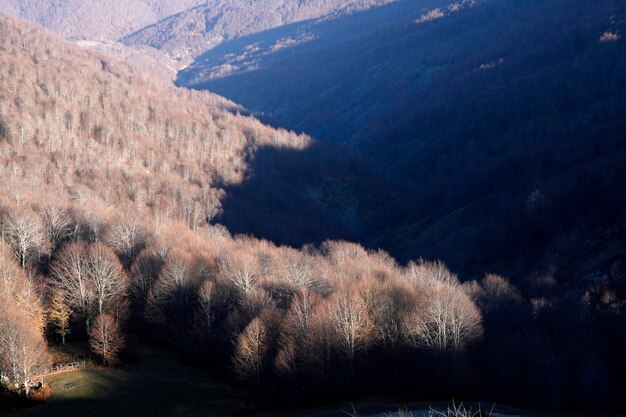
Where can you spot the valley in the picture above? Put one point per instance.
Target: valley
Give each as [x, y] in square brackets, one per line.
[313, 207]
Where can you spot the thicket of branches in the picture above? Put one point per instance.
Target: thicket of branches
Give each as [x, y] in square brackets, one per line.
[110, 185]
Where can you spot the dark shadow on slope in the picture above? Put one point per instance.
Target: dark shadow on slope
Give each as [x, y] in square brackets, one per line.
[332, 79]
[323, 192]
[508, 119]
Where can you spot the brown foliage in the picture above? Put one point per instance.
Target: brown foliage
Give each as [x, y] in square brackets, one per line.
[41, 393]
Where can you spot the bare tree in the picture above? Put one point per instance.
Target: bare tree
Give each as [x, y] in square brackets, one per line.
[250, 351]
[450, 321]
[298, 347]
[206, 299]
[128, 238]
[106, 276]
[16, 289]
[351, 321]
[388, 304]
[172, 298]
[24, 234]
[430, 274]
[495, 293]
[240, 270]
[105, 338]
[23, 351]
[71, 276]
[57, 225]
[300, 270]
[144, 274]
[301, 312]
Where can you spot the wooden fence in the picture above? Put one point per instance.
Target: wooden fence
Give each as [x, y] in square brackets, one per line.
[64, 367]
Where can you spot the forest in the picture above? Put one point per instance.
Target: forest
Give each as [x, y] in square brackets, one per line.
[136, 212]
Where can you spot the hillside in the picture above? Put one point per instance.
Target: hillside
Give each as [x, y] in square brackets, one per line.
[119, 203]
[95, 19]
[189, 146]
[188, 34]
[503, 116]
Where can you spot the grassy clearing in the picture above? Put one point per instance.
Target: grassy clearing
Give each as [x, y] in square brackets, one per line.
[158, 386]
[161, 386]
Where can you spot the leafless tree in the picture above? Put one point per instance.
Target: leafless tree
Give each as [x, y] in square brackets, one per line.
[24, 234]
[172, 298]
[17, 290]
[450, 321]
[430, 274]
[128, 238]
[300, 270]
[298, 346]
[351, 322]
[71, 275]
[57, 224]
[250, 351]
[23, 351]
[494, 292]
[145, 272]
[105, 338]
[206, 299]
[388, 304]
[240, 270]
[106, 276]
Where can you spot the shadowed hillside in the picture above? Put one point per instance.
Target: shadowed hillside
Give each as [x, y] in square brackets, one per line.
[507, 117]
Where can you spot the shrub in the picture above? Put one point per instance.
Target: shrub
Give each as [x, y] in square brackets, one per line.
[40, 394]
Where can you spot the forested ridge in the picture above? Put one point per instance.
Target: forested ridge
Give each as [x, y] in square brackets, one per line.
[113, 189]
[178, 29]
[186, 35]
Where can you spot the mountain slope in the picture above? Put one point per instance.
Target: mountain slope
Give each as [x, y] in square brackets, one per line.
[188, 34]
[145, 146]
[508, 117]
[95, 19]
[111, 186]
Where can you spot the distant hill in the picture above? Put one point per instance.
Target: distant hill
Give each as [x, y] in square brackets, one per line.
[507, 117]
[95, 19]
[188, 34]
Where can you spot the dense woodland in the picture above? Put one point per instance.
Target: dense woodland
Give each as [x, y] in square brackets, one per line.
[113, 187]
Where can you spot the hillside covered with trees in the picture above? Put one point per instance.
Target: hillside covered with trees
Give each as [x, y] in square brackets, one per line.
[504, 121]
[113, 186]
[136, 212]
